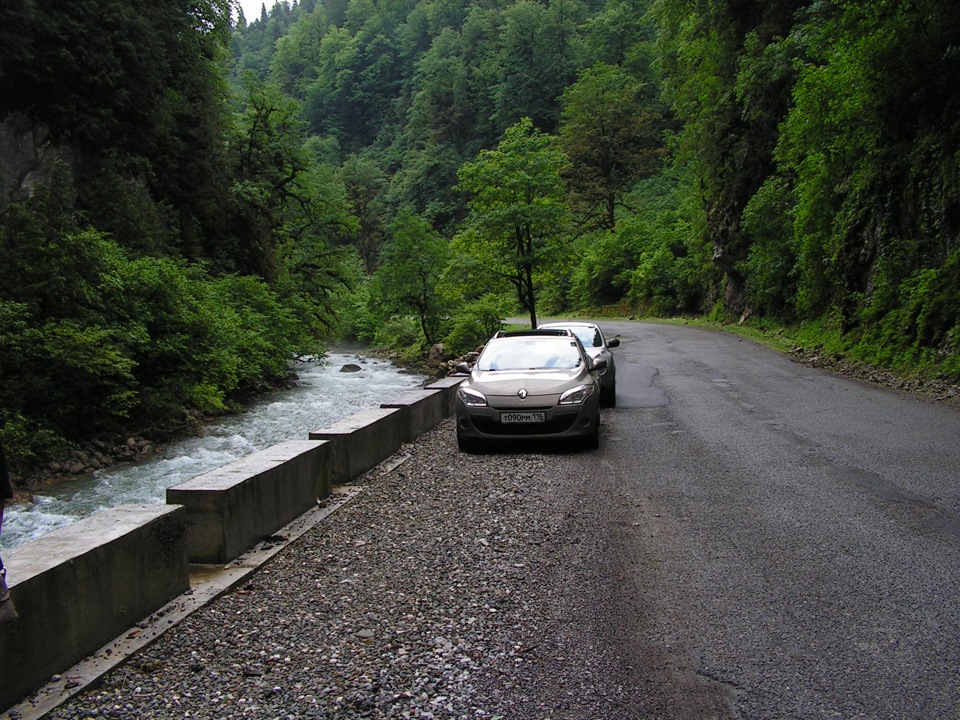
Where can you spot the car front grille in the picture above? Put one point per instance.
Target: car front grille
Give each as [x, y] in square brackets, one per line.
[551, 427]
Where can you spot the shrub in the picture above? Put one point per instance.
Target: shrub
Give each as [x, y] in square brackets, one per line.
[476, 322]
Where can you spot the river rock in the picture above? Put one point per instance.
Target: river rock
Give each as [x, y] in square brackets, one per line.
[437, 355]
[350, 367]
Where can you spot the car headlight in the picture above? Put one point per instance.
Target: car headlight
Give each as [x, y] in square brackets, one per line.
[471, 398]
[575, 396]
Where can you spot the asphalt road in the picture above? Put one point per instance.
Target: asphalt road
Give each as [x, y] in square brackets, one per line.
[771, 540]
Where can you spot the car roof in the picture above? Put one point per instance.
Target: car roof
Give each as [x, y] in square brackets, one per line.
[542, 332]
[572, 323]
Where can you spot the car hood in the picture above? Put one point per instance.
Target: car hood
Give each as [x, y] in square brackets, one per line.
[535, 382]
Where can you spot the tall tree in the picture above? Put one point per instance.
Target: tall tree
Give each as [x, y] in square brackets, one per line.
[135, 89]
[533, 66]
[871, 148]
[290, 210]
[364, 183]
[611, 139]
[410, 268]
[517, 207]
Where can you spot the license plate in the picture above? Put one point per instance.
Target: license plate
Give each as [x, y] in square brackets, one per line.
[522, 417]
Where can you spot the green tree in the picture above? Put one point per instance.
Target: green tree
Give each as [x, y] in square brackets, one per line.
[442, 107]
[136, 91]
[63, 364]
[290, 208]
[873, 176]
[729, 131]
[617, 33]
[100, 73]
[533, 66]
[517, 209]
[353, 78]
[476, 321]
[365, 184]
[410, 269]
[611, 139]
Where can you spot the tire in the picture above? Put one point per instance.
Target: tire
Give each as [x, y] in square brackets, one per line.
[466, 445]
[608, 396]
[592, 441]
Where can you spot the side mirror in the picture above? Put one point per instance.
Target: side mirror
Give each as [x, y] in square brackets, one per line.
[462, 368]
[613, 342]
[599, 365]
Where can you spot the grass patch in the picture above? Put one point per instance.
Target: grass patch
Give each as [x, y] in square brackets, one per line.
[822, 342]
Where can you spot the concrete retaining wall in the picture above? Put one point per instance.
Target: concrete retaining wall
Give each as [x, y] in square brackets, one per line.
[419, 410]
[448, 387]
[79, 587]
[234, 507]
[362, 441]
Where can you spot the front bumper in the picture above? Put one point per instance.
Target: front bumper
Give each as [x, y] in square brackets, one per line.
[483, 423]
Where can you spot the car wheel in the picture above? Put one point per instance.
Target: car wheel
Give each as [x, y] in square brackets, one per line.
[467, 445]
[608, 396]
[592, 441]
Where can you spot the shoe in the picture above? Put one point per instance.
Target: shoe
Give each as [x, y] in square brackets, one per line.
[8, 612]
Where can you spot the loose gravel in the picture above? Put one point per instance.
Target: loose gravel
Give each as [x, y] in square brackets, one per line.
[442, 590]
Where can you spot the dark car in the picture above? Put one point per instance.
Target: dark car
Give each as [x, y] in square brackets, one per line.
[598, 347]
[536, 384]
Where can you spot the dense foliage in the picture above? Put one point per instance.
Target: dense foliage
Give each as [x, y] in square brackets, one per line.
[823, 139]
[164, 254]
[233, 190]
[812, 164]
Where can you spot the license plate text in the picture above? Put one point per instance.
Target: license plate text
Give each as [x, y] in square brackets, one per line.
[523, 417]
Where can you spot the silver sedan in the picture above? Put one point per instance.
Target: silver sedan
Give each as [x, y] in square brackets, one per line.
[535, 384]
[598, 347]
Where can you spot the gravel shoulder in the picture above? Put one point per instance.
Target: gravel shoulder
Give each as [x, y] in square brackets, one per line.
[452, 586]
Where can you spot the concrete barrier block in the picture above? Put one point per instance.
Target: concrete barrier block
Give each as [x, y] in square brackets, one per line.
[362, 441]
[81, 586]
[232, 508]
[448, 386]
[420, 411]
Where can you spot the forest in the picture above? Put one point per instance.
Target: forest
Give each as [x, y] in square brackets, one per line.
[189, 198]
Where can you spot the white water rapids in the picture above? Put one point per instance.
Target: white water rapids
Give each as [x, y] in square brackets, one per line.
[323, 396]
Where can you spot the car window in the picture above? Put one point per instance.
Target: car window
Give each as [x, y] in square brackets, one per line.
[589, 336]
[529, 354]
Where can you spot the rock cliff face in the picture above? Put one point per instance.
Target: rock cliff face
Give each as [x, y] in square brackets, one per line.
[27, 157]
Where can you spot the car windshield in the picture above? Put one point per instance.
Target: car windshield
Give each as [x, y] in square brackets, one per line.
[530, 354]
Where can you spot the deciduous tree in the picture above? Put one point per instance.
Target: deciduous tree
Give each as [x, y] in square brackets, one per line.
[410, 268]
[517, 208]
[611, 139]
